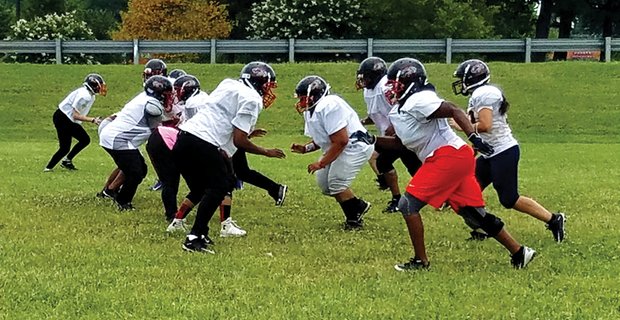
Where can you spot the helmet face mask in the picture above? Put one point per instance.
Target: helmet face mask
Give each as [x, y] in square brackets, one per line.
[261, 77]
[154, 67]
[309, 91]
[159, 87]
[95, 84]
[470, 75]
[370, 72]
[406, 76]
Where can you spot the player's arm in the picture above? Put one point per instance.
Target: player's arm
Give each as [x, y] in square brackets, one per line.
[242, 141]
[485, 120]
[339, 141]
[78, 116]
[448, 109]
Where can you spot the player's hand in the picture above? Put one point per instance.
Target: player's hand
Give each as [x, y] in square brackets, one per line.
[257, 133]
[479, 144]
[313, 167]
[298, 148]
[275, 153]
[97, 120]
[454, 125]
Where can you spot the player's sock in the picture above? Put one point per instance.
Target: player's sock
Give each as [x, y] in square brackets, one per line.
[224, 212]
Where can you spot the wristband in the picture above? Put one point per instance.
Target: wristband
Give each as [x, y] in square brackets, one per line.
[310, 147]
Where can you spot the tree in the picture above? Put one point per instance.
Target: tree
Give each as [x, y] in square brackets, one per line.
[240, 13]
[306, 19]
[6, 20]
[173, 20]
[39, 8]
[423, 19]
[514, 18]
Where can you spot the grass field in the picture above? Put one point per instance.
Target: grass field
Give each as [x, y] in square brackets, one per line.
[65, 254]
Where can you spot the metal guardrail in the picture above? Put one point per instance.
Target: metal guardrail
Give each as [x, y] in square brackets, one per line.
[293, 46]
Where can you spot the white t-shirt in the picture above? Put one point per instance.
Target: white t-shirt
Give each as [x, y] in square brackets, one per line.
[80, 99]
[377, 105]
[500, 135]
[330, 115]
[232, 104]
[133, 124]
[193, 105]
[418, 133]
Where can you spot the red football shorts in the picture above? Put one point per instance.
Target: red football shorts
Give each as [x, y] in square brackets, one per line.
[448, 175]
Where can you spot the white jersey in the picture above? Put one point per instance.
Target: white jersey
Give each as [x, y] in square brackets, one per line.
[231, 105]
[133, 124]
[418, 133]
[378, 106]
[80, 100]
[193, 105]
[330, 115]
[500, 135]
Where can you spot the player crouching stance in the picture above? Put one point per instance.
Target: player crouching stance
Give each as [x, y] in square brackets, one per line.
[447, 172]
[336, 129]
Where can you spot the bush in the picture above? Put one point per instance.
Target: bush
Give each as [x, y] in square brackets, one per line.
[50, 27]
[306, 19]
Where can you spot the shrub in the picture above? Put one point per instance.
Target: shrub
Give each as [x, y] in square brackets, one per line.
[50, 27]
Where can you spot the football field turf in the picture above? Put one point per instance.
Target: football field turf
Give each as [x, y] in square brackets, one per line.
[65, 254]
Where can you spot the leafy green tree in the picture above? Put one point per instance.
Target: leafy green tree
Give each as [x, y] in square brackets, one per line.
[240, 14]
[39, 8]
[513, 18]
[7, 18]
[424, 19]
[306, 19]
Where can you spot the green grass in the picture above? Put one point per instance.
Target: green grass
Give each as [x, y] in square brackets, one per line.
[65, 254]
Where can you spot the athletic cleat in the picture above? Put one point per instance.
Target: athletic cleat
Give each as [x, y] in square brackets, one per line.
[105, 194]
[231, 229]
[157, 186]
[177, 225]
[48, 170]
[198, 244]
[68, 164]
[556, 225]
[392, 206]
[412, 264]
[478, 236]
[365, 207]
[522, 258]
[351, 225]
[281, 195]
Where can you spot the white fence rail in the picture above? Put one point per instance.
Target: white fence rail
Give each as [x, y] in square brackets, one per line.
[292, 47]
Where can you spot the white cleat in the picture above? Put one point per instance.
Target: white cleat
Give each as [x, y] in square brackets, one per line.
[177, 225]
[231, 229]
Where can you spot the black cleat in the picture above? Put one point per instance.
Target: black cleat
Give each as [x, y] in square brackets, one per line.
[125, 207]
[556, 225]
[106, 194]
[392, 206]
[478, 236]
[281, 195]
[198, 244]
[522, 258]
[68, 164]
[413, 264]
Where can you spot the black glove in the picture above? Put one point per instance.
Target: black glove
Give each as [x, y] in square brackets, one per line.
[479, 145]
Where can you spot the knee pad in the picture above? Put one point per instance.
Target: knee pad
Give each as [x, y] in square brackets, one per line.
[408, 204]
[479, 218]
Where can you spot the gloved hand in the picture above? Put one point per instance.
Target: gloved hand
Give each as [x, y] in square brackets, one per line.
[479, 144]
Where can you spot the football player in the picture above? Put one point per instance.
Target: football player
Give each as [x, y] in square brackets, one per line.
[132, 126]
[213, 135]
[488, 109]
[420, 120]
[72, 110]
[372, 77]
[346, 146]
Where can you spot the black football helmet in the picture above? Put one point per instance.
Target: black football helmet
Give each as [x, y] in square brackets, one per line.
[186, 86]
[177, 73]
[262, 78]
[370, 71]
[406, 76]
[95, 84]
[160, 88]
[154, 67]
[309, 91]
[471, 74]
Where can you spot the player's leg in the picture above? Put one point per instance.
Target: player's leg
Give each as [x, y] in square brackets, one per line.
[410, 207]
[246, 174]
[77, 132]
[63, 131]
[385, 165]
[229, 227]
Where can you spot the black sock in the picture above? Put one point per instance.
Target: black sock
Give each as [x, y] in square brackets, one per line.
[395, 197]
[350, 207]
